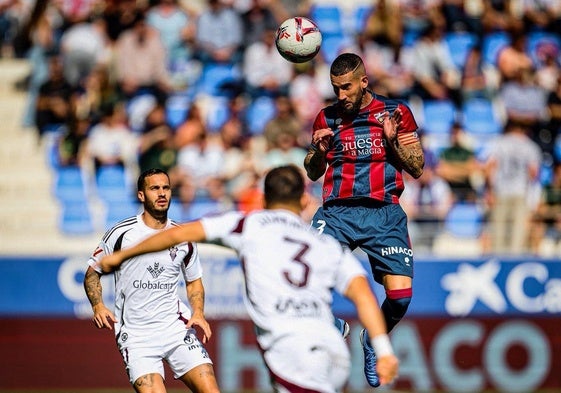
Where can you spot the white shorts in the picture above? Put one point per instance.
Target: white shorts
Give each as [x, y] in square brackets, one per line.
[182, 351]
[319, 362]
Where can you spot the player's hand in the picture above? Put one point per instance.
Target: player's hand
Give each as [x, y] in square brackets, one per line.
[387, 368]
[109, 263]
[103, 317]
[322, 138]
[391, 124]
[197, 319]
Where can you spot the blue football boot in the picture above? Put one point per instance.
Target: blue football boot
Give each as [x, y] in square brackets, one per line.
[369, 360]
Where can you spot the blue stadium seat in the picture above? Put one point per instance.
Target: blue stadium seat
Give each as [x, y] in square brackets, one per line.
[112, 184]
[464, 220]
[460, 44]
[177, 108]
[480, 118]
[259, 112]
[438, 116]
[332, 46]
[218, 112]
[69, 184]
[328, 18]
[76, 219]
[492, 44]
[215, 76]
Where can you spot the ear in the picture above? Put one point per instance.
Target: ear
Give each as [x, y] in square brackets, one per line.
[364, 82]
[305, 200]
[140, 196]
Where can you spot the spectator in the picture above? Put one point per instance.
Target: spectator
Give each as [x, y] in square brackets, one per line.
[285, 121]
[426, 201]
[72, 145]
[176, 28]
[219, 35]
[479, 80]
[189, 130]
[36, 41]
[141, 63]
[119, 16]
[554, 111]
[525, 102]
[111, 141]
[546, 231]
[512, 169]
[513, 59]
[261, 16]
[156, 147]
[384, 24]
[436, 76]
[458, 166]
[266, 78]
[83, 46]
[286, 151]
[53, 102]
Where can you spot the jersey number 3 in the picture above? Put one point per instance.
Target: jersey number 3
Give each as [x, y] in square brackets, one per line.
[300, 280]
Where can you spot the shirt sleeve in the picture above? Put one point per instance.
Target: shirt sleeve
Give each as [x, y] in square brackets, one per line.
[191, 267]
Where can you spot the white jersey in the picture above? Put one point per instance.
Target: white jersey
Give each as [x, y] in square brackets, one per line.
[289, 270]
[146, 298]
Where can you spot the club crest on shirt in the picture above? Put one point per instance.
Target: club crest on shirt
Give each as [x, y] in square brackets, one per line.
[173, 252]
[380, 117]
[155, 270]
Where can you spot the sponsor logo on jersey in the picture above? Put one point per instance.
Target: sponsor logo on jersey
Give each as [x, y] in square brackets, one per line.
[362, 145]
[155, 270]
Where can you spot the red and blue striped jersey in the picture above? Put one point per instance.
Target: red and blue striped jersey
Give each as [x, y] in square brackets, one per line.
[359, 166]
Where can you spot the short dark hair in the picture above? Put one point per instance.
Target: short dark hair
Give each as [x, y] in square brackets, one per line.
[141, 183]
[284, 184]
[345, 63]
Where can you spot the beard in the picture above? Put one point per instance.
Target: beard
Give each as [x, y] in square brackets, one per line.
[355, 108]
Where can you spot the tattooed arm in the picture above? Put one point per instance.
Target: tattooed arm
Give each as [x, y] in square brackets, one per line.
[196, 297]
[315, 163]
[410, 156]
[103, 317]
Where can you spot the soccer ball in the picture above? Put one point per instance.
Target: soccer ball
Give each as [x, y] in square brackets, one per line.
[298, 39]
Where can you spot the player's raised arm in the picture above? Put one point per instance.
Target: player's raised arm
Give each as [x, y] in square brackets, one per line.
[189, 232]
[371, 317]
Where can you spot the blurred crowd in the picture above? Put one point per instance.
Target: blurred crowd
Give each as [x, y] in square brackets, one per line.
[198, 88]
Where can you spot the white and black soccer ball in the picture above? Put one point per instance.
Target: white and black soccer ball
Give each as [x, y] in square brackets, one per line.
[298, 39]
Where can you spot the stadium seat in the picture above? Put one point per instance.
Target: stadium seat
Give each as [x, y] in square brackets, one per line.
[464, 220]
[177, 108]
[491, 46]
[259, 112]
[438, 116]
[112, 184]
[332, 46]
[480, 118]
[216, 77]
[76, 218]
[69, 184]
[328, 18]
[459, 44]
[217, 113]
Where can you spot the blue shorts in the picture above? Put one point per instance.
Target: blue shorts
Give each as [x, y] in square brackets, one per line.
[379, 229]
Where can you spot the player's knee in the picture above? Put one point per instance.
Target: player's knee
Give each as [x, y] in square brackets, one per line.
[395, 305]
